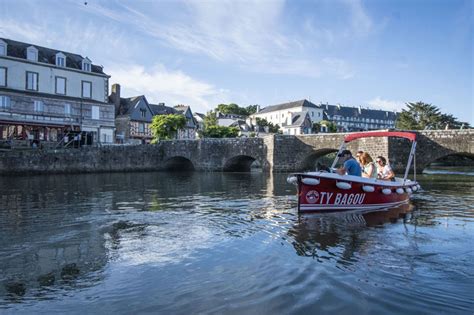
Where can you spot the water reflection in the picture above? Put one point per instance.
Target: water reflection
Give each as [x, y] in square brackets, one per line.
[318, 234]
[193, 241]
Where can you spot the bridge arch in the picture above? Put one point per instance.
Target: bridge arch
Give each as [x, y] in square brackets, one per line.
[240, 163]
[310, 162]
[178, 164]
[451, 159]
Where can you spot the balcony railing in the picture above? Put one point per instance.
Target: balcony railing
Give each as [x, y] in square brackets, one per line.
[37, 117]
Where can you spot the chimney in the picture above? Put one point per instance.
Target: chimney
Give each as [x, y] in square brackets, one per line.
[115, 96]
[289, 120]
[258, 109]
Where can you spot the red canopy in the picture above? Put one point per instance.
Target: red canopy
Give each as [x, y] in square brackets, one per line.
[357, 135]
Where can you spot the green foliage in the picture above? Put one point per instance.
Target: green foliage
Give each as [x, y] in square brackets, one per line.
[221, 132]
[419, 116]
[262, 122]
[331, 127]
[236, 109]
[166, 126]
[316, 127]
[212, 130]
[251, 109]
[210, 119]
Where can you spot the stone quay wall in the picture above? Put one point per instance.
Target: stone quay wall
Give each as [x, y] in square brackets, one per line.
[279, 153]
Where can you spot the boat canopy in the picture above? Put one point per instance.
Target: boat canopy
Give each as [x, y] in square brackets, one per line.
[400, 134]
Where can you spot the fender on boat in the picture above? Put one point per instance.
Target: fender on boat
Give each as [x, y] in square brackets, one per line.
[400, 191]
[386, 191]
[343, 185]
[310, 181]
[408, 190]
[292, 180]
[368, 188]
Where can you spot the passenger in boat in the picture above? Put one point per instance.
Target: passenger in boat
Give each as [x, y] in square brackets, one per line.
[358, 156]
[351, 166]
[369, 170]
[385, 172]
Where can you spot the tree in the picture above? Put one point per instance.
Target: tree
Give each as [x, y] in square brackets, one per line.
[251, 109]
[331, 127]
[236, 109]
[210, 119]
[221, 132]
[166, 126]
[231, 109]
[419, 116]
[213, 130]
[262, 122]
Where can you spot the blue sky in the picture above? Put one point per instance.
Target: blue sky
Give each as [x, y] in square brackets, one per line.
[377, 54]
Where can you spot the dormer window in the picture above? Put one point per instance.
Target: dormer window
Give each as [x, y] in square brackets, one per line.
[86, 65]
[32, 53]
[3, 48]
[60, 60]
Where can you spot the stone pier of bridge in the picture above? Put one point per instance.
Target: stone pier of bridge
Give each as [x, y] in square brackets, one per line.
[277, 153]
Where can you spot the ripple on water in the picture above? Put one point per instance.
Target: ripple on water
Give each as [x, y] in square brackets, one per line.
[213, 243]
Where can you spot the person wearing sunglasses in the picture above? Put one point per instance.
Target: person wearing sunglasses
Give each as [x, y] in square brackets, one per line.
[351, 166]
[385, 172]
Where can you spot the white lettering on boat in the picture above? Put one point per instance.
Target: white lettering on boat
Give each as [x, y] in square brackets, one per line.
[349, 199]
[324, 197]
[328, 196]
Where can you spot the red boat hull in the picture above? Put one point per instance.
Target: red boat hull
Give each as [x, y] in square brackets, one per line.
[326, 191]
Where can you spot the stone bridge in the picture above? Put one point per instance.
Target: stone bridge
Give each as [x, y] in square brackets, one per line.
[273, 153]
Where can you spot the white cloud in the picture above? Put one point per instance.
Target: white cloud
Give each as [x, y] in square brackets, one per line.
[247, 34]
[362, 24]
[379, 103]
[159, 84]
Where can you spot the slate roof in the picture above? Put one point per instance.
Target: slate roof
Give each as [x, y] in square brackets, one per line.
[200, 115]
[345, 111]
[181, 108]
[161, 109]
[298, 119]
[304, 103]
[126, 104]
[48, 55]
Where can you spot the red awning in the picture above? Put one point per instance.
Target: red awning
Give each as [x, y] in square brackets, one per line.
[400, 134]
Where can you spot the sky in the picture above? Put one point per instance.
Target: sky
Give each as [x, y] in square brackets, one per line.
[378, 54]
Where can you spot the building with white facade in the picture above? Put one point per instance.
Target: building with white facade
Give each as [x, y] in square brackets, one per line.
[48, 94]
[358, 118]
[291, 117]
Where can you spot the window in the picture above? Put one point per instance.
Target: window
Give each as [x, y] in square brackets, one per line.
[60, 61]
[31, 81]
[61, 85]
[143, 112]
[32, 54]
[67, 109]
[141, 127]
[95, 112]
[4, 102]
[312, 114]
[86, 65]
[3, 76]
[38, 106]
[86, 89]
[3, 48]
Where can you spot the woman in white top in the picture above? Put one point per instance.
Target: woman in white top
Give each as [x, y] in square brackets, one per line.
[369, 170]
[385, 172]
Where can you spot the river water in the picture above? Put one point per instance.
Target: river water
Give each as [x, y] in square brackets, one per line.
[215, 243]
